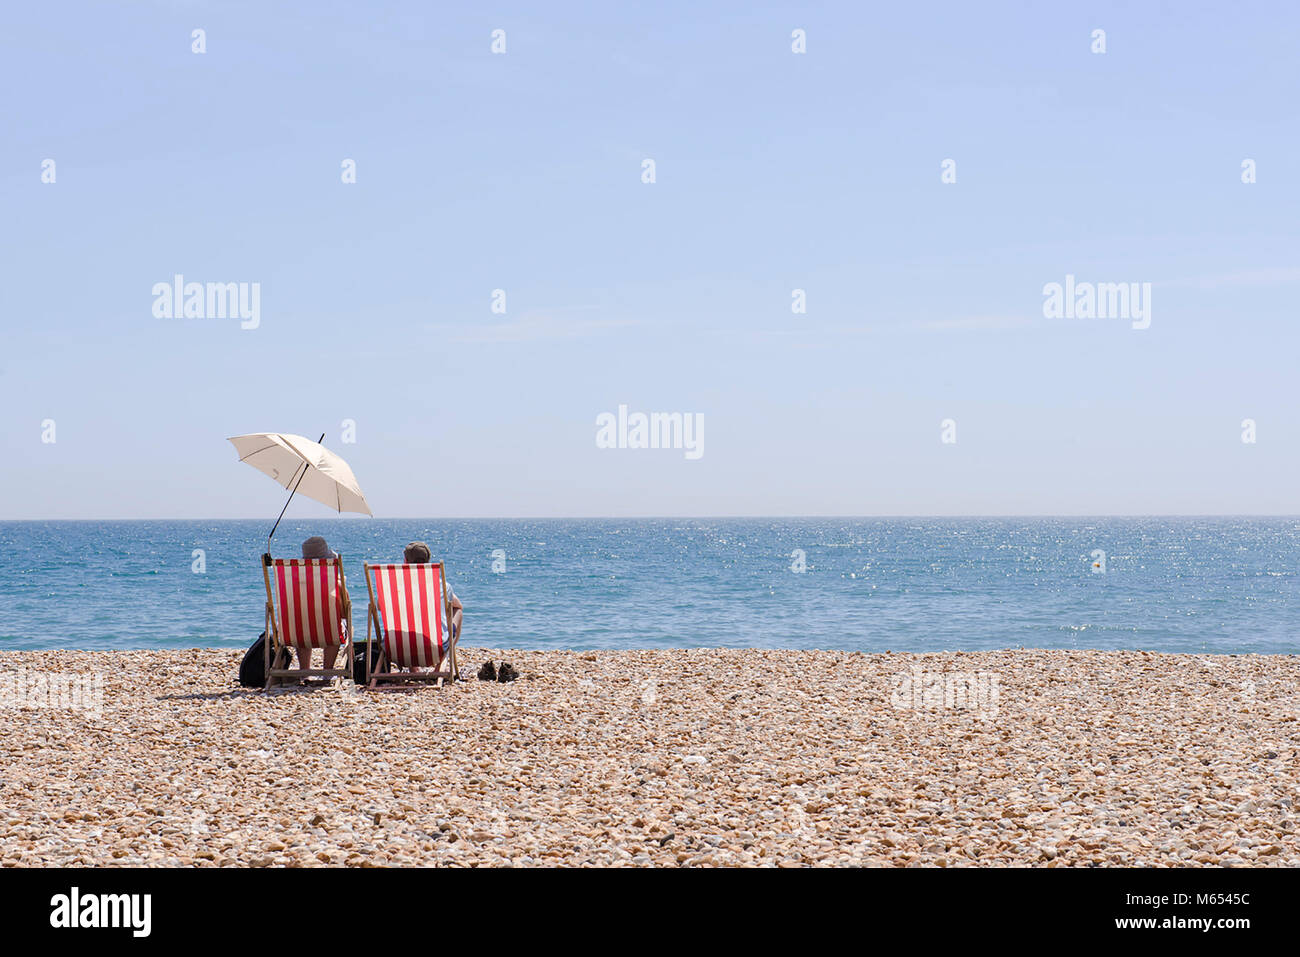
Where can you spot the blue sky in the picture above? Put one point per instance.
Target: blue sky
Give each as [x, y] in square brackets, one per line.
[774, 171]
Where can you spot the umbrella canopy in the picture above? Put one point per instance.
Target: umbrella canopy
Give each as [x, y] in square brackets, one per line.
[296, 461]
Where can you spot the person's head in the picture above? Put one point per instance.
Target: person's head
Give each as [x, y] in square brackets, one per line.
[417, 553]
[315, 547]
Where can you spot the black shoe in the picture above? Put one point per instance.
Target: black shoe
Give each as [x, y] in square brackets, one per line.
[507, 672]
[488, 672]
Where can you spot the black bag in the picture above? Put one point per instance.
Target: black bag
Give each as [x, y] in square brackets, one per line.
[252, 670]
[359, 662]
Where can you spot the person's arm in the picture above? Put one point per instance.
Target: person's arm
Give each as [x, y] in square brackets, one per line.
[457, 615]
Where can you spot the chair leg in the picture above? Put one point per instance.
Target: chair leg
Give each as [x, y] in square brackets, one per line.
[266, 649]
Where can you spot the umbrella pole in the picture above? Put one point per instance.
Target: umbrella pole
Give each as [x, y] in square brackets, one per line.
[319, 441]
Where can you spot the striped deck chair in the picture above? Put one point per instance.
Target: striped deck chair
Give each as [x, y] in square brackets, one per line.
[307, 606]
[407, 605]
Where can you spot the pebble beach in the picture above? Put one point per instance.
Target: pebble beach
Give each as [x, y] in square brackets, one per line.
[704, 757]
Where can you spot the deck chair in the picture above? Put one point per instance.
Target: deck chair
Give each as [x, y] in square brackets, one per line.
[407, 605]
[307, 606]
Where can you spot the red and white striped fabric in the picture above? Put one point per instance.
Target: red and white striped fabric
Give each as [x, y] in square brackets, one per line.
[310, 613]
[410, 613]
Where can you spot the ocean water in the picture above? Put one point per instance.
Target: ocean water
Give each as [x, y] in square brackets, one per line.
[1216, 585]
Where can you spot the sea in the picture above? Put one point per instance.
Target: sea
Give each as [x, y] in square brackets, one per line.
[1194, 585]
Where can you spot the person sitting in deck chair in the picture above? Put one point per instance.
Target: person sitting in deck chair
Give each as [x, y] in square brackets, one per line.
[316, 547]
[417, 553]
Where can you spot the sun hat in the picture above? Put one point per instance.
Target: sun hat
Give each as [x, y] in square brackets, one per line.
[417, 553]
[315, 547]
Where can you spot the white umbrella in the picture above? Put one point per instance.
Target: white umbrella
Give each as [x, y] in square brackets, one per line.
[305, 466]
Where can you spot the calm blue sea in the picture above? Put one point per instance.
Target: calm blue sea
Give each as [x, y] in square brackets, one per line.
[1190, 585]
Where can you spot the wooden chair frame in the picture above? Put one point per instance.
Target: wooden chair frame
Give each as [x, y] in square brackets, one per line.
[383, 670]
[275, 641]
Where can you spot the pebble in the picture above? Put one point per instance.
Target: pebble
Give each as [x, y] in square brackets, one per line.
[741, 757]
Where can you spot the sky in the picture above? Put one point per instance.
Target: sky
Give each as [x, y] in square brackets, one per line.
[774, 171]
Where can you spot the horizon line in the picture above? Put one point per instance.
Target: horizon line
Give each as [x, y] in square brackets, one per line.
[624, 518]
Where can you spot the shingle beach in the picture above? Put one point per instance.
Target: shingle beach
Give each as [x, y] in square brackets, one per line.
[667, 758]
